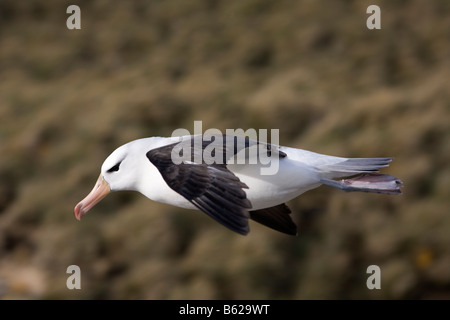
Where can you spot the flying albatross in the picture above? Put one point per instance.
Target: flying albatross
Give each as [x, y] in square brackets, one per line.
[223, 176]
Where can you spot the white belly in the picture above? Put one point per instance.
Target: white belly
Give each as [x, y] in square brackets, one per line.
[291, 180]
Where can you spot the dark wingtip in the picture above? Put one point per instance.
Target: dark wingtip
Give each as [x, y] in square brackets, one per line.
[277, 218]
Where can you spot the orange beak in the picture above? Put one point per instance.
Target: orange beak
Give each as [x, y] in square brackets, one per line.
[101, 189]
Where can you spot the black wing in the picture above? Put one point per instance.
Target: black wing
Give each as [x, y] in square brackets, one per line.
[204, 180]
[211, 188]
[277, 218]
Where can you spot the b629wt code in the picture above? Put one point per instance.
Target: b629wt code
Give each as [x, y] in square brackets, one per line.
[246, 309]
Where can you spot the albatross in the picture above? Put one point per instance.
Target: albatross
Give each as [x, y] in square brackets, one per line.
[223, 176]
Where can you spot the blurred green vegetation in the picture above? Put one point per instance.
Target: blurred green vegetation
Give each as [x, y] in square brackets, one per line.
[142, 68]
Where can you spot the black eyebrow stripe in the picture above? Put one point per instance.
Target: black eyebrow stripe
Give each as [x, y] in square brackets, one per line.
[115, 168]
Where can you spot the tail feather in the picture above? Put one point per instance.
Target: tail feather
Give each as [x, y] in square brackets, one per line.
[355, 166]
[365, 177]
[369, 182]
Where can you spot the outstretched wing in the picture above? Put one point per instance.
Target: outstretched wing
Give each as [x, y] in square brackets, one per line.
[204, 180]
[212, 188]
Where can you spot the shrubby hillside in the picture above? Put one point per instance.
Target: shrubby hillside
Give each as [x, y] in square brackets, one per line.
[143, 68]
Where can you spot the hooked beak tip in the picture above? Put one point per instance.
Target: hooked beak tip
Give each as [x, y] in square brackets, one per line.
[78, 211]
[100, 190]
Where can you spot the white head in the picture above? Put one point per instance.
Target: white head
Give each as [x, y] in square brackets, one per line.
[118, 172]
[127, 168]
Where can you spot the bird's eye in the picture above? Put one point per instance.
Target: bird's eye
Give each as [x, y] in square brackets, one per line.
[115, 168]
